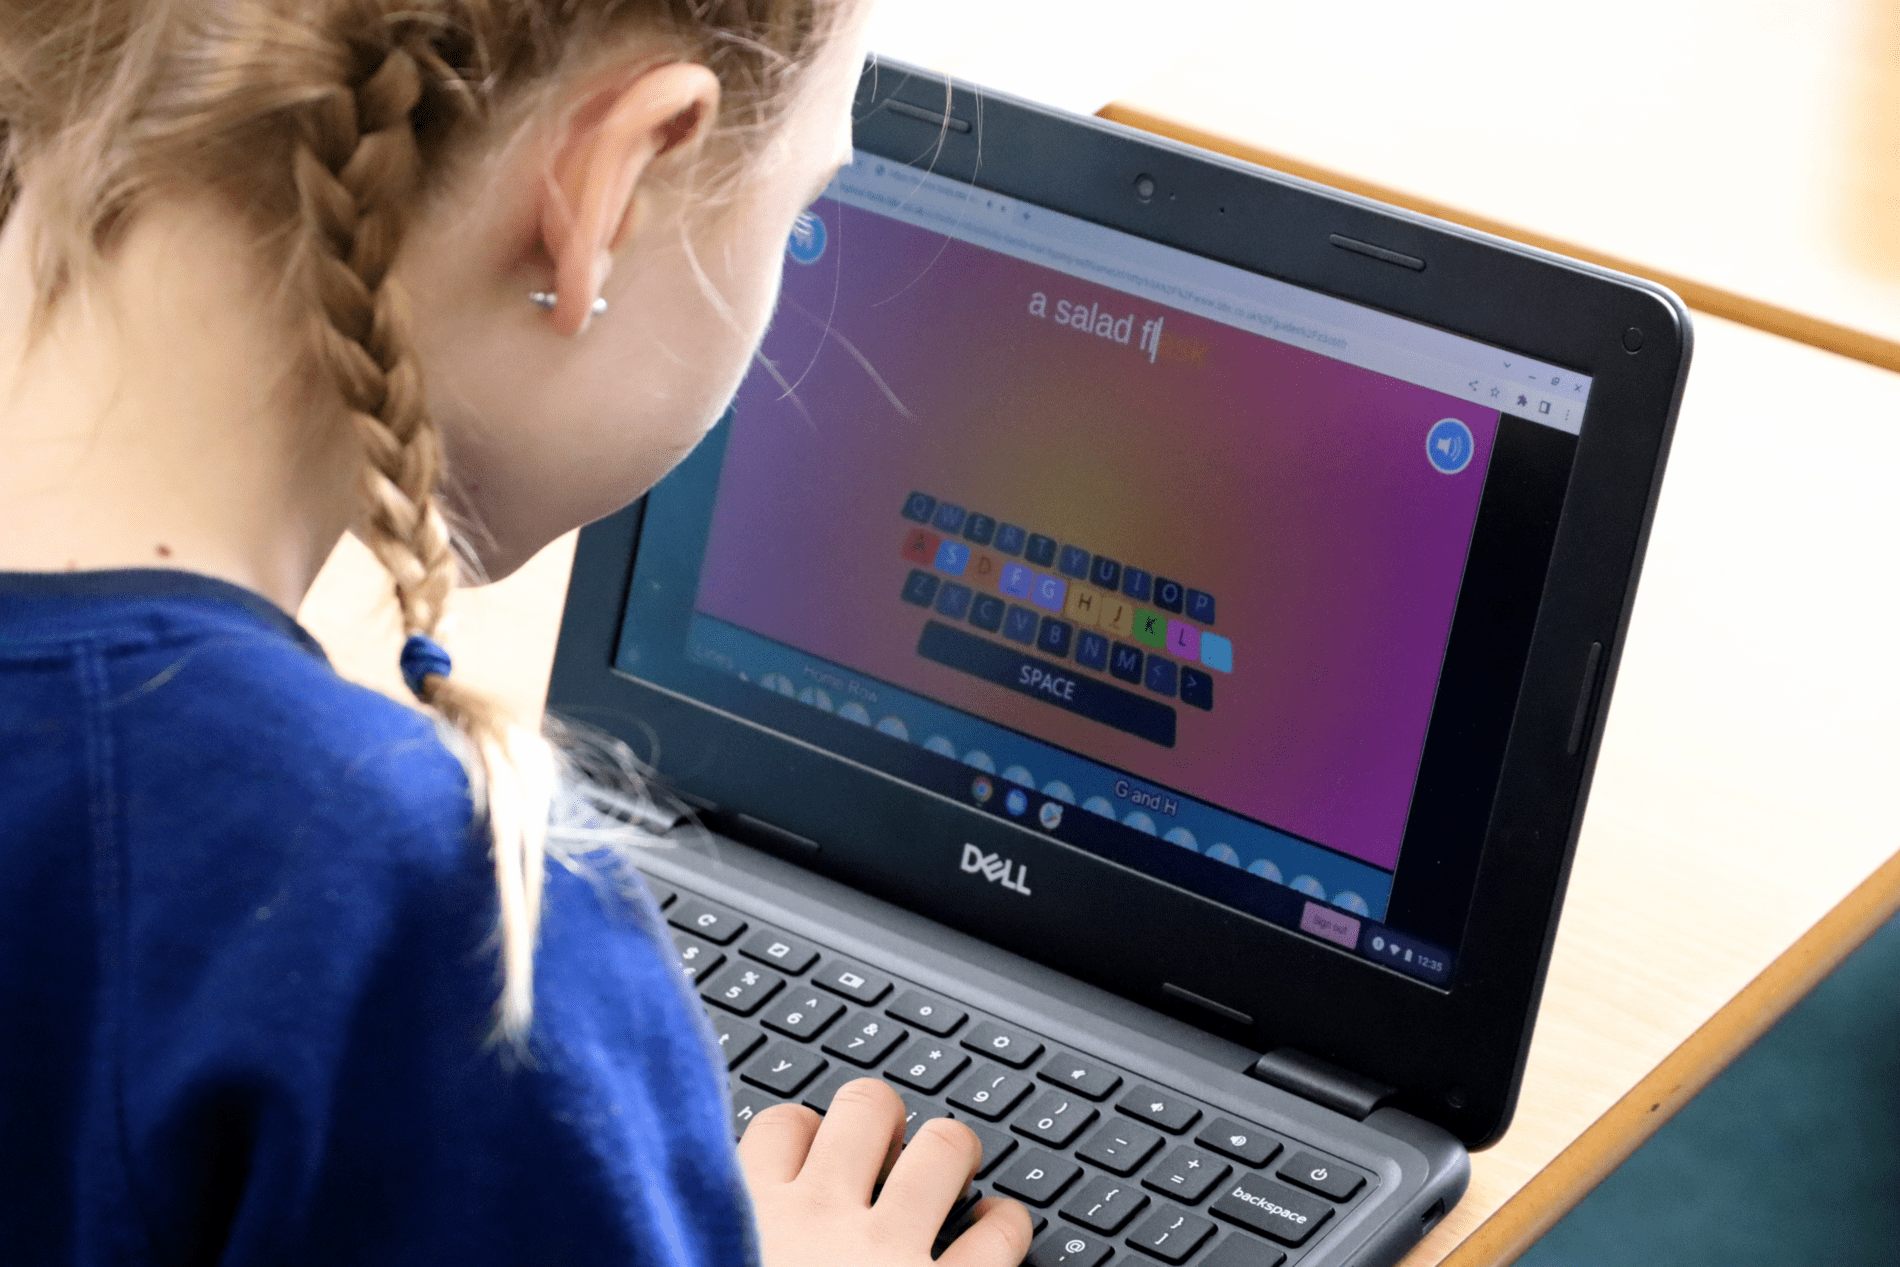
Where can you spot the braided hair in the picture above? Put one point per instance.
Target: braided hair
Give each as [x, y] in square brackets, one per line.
[327, 123]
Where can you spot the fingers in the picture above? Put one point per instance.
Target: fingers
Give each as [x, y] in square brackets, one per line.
[934, 1169]
[863, 1127]
[775, 1145]
[998, 1238]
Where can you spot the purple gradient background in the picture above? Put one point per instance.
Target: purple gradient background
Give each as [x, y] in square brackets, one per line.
[1294, 488]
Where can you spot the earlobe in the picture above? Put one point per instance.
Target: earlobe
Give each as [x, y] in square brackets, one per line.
[607, 156]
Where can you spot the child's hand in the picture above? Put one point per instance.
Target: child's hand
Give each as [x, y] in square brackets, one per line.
[812, 1179]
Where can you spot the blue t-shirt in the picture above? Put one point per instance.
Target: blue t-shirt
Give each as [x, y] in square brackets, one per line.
[247, 976]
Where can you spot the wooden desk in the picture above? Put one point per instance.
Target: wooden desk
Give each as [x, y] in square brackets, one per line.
[1747, 156]
[1742, 832]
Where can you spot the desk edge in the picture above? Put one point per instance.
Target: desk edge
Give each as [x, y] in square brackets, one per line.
[1531, 1211]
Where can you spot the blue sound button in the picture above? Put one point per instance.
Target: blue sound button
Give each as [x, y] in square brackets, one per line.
[1449, 445]
[807, 242]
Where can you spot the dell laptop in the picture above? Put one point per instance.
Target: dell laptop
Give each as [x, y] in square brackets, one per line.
[1132, 659]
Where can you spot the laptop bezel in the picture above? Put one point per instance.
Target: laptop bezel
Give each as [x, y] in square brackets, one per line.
[1454, 1057]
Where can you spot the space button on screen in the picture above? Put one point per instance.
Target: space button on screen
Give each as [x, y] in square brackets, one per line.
[1052, 683]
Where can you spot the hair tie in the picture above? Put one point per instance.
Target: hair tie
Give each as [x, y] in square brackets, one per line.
[423, 657]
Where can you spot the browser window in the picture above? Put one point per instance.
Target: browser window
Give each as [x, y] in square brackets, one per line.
[1152, 554]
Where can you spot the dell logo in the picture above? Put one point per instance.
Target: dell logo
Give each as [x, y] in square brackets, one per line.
[996, 869]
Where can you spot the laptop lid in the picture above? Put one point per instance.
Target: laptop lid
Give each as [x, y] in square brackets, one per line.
[1194, 580]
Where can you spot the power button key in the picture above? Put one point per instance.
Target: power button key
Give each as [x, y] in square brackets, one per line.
[1317, 1174]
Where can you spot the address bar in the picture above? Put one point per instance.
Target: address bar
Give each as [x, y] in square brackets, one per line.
[1320, 323]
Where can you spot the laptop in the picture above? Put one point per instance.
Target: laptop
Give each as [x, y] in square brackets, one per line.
[1132, 659]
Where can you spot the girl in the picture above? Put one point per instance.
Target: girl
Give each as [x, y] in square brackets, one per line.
[276, 269]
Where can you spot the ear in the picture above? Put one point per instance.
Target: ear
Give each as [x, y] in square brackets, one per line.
[607, 149]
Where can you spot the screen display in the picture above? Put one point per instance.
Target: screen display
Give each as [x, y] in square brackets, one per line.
[1151, 554]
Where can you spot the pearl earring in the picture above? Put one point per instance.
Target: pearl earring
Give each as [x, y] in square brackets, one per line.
[546, 299]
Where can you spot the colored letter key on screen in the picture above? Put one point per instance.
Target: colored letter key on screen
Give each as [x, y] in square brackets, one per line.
[953, 557]
[1184, 640]
[920, 547]
[1049, 592]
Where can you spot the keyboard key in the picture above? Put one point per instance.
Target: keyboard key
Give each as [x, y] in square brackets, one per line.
[1084, 1077]
[990, 1092]
[1242, 1251]
[1012, 1047]
[1055, 1118]
[715, 923]
[1246, 1144]
[742, 989]
[928, 1012]
[784, 953]
[818, 1095]
[996, 1144]
[1066, 1247]
[1105, 1204]
[698, 958]
[920, 507]
[802, 1013]
[1036, 1177]
[855, 981]
[1121, 1146]
[746, 1105]
[917, 1111]
[1271, 1209]
[1163, 1108]
[1328, 1178]
[1188, 1174]
[986, 613]
[736, 1039]
[920, 587]
[927, 1064]
[865, 1038]
[783, 1068]
[1171, 1234]
[1197, 689]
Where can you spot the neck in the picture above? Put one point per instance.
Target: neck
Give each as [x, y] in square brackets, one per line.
[159, 419]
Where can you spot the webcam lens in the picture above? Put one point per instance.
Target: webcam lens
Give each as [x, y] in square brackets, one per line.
[1144, 187]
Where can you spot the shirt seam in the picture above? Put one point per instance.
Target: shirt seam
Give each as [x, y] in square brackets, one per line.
[110, 865]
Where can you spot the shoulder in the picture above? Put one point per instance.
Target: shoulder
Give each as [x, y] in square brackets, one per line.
[228, 731]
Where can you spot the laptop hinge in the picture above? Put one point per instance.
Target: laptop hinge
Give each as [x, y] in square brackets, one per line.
[1338, 1089]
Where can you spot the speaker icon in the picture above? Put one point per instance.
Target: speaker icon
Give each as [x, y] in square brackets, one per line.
[1449, 446]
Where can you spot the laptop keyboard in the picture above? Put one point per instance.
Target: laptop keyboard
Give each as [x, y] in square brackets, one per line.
[1108, 1164]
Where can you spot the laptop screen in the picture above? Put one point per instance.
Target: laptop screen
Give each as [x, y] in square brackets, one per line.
[1175, 563]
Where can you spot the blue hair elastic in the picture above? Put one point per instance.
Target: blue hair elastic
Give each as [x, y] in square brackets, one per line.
[423, 656]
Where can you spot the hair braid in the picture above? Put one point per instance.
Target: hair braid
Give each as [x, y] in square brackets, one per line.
[355, 166]
[326, 122]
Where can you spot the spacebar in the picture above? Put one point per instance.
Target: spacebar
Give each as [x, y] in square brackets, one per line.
[1049, 682]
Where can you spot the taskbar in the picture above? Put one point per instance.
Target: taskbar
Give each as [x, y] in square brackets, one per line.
[1275, 903]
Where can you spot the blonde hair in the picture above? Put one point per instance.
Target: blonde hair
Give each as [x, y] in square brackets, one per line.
[327, 123]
